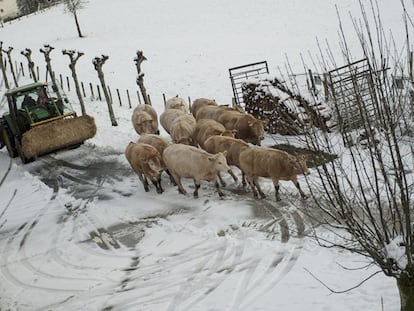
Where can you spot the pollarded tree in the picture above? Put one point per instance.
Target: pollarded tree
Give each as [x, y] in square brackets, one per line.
[73, 6]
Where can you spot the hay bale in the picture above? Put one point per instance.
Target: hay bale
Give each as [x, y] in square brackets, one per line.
[57, 135]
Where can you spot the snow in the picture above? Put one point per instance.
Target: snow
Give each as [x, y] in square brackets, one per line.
[77, 229]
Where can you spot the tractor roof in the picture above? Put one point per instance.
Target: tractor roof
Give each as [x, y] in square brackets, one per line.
[26, 88]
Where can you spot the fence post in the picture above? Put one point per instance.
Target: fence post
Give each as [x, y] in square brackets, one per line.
[83, 89]
[119, 97]
[99, 92]
[22, 68]
[129, 98]
[139, 98]
[91, 87]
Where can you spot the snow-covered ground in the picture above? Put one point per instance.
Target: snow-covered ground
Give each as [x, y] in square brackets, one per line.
[77, 229]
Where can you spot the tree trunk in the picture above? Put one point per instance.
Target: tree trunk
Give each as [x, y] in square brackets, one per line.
[406, 290]
[77, 25]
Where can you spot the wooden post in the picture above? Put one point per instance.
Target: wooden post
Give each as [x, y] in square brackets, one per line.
[99, 92]
[98, 62]
[22, 68]
[67, 82]
[28, 54]
[326, 85]
[72, 66]
[140, 80]
[119, 97]
[61, 80]
[139, 98]
[129, 99]
[3, 68]
[91, 87]
[83, 89]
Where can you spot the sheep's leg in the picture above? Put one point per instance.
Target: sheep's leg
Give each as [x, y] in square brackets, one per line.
[250, 182]
[144, 181]
[276, 185]
[296, 183]
[259, 189]
[221, 194]
[196, 187]
[157, 183]
[171, 177]
[243, 179]
[178, 183]
[233, 175]
[221, 179]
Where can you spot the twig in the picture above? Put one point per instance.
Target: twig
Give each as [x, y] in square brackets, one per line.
[346, 290]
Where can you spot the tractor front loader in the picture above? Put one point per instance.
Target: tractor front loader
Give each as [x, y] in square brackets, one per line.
[41, 120]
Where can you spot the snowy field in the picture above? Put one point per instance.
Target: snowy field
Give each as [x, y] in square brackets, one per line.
[77, 229]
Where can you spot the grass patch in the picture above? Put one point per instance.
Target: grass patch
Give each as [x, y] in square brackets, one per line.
[315, 158]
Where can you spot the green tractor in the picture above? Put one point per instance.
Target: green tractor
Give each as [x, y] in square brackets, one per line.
[41, 120]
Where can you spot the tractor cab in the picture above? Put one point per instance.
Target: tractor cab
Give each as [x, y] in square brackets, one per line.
[37, 102]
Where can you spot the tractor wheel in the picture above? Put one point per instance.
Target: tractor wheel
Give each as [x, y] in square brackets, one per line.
[20, 151]
[8, 141]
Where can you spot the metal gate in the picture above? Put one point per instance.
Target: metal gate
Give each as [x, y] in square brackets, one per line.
[354, 94]
[241, 73]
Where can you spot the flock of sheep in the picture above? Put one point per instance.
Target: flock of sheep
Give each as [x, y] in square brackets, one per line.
[204, 142]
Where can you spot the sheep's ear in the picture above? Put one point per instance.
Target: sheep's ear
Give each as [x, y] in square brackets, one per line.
[211, 158]
[224, 152]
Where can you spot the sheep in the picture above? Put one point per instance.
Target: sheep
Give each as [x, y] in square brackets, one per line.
[177, 103]
[145, 160]
[182, 129]
[278, 165]
[167, 118]
[185, 161]
[145, 120]
[233, 148]
[206, 128]
[201, 102]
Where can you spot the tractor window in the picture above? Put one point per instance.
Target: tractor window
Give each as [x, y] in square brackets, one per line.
[63, 103]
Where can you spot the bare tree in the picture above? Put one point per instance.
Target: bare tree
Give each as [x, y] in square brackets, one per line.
[72, 66]
[28, 54]
[98, 62]
[140, 80]
[365, 197]
[73, 6]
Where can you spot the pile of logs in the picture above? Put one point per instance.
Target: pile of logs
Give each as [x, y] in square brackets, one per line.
[289, 116]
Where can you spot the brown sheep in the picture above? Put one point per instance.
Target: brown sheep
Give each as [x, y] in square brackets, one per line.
[206, 128]
[232, 146]
[145, 160]
[250, 129]
[160, 143]
[201, 102]
[145, 120]
[278, 165]
[168, 116]
[177, 103]
[182, 129]
[185, 161]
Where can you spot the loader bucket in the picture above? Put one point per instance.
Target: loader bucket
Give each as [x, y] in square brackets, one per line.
[56, 135]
